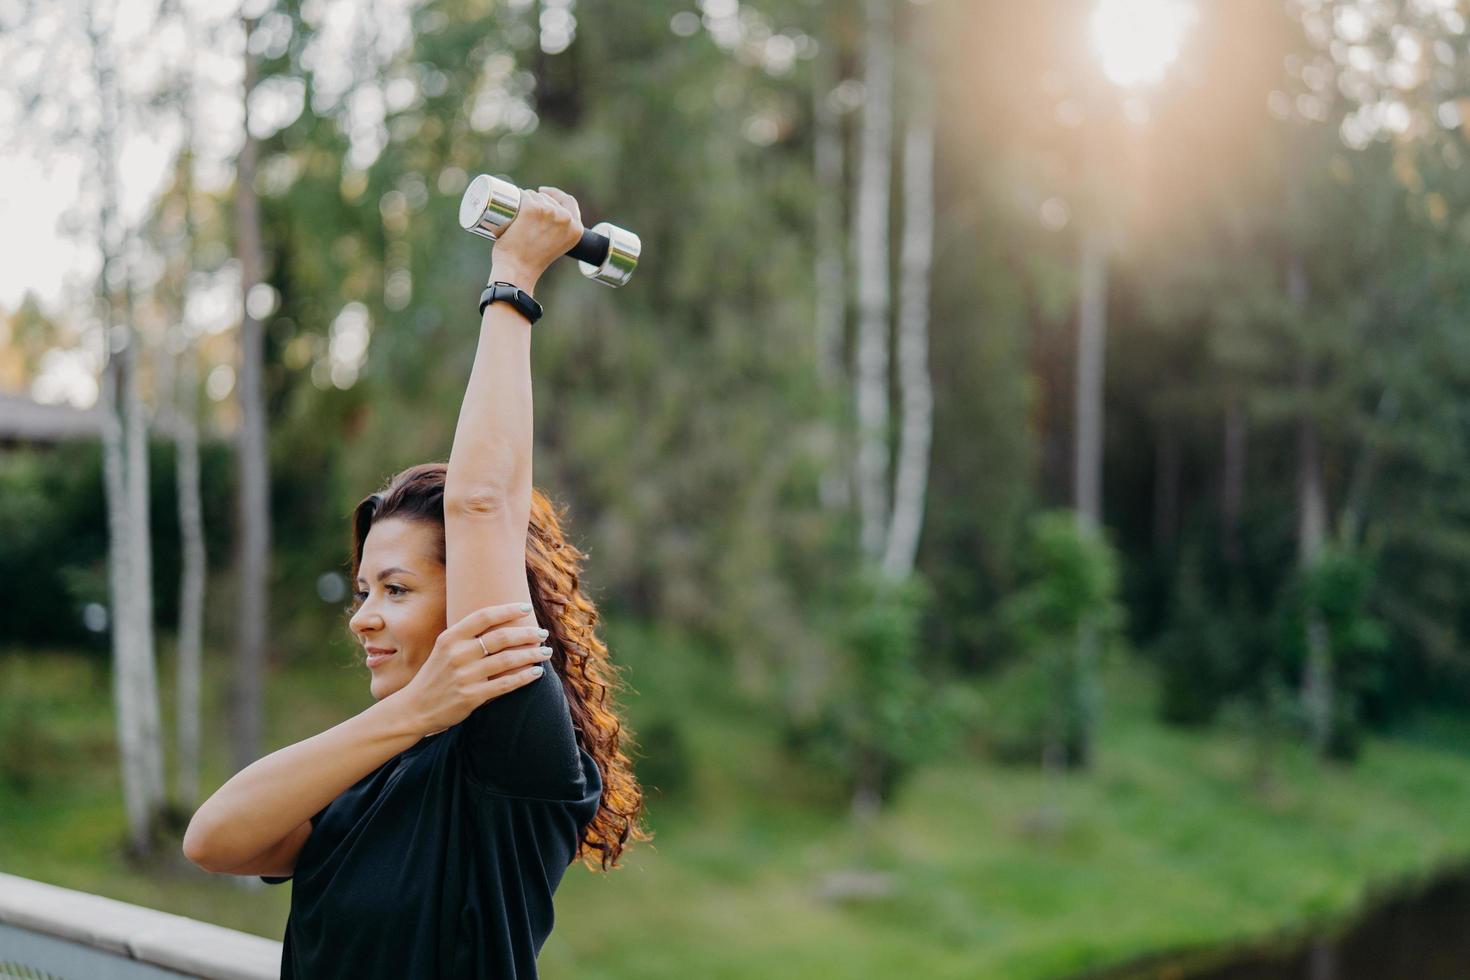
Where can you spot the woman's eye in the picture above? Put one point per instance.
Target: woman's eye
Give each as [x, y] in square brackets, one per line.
[391, 589]
[359, 597]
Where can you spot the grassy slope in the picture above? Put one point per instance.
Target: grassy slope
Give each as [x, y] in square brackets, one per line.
[1164, 845]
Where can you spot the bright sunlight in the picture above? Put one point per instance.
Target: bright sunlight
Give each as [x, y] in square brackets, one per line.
[1138, 39]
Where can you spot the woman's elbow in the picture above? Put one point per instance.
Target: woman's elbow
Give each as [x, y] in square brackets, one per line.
[194, 844]
[487, 499]
[199, 845]
[479, 498]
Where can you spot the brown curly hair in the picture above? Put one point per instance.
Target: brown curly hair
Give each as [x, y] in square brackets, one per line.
[553, 570]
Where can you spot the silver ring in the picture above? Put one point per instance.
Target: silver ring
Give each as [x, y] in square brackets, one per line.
[482, 645]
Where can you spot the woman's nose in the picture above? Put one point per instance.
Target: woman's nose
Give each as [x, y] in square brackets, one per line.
[363, 619]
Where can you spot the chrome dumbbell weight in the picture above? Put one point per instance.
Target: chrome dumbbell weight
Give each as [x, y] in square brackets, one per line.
[606, 253]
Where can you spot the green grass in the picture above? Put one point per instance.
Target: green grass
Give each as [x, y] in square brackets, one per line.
[1165, 845]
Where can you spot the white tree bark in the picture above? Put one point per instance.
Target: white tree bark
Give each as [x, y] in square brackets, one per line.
[1091, 344]
[1092, 329]
[916, 258]
[871, 261]
[125, 474]
[125, 646]
[252, 456]
[828, 273]
[139, 525]
[191, 515]
[191, 581]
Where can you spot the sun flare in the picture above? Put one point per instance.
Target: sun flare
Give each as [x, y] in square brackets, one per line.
[1138, 39]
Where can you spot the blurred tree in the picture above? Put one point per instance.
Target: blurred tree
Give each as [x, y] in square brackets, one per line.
[880, 718]
[25, 337]
[916, 395]
[173, 231]
[125, 459]
[1071, 581]
[252, 464]
[870, 242]
[829, 273]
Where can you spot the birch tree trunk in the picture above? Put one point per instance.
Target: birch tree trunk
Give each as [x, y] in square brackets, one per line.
[828, 272]
[916, 258]
[251, 457]
[1316, 691]
[140, 537]
[125, 476]
[191, 516]
[829, 290]
[1091, 341]
[870, 239]
[191, 580]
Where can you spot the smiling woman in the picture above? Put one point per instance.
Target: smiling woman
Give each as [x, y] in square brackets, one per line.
[398, 608]
[533, 778]
[492, 758]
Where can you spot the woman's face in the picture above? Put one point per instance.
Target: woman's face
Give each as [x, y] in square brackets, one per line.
[400, 588]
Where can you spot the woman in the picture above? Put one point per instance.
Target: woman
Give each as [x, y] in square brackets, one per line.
[427, 835]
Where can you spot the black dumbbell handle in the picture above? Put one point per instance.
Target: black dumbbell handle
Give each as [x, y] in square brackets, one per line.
[592, 249]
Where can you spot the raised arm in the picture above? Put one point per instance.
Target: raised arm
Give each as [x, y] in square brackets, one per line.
[523, 743]
[487, 492]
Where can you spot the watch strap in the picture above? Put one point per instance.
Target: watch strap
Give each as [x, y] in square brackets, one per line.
[514, 295]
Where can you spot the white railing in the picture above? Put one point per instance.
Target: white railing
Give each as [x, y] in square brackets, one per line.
[48, 932]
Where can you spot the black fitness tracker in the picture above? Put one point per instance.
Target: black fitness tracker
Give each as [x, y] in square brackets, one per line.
[514, 295]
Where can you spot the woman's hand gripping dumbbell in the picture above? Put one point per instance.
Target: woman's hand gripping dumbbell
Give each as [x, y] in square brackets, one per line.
[605, 252]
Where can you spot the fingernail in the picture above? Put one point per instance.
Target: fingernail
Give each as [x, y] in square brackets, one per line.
[524, 607]
[537, 671]
[544, 651]
[544, 633]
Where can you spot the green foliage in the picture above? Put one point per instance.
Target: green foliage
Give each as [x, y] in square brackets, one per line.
[1338, 587]
[882, 712]
[1070, 577]
[53, 523]
[1062, 617]
[29, 753]
[28, 526]
[665, 768]
[1210, 647]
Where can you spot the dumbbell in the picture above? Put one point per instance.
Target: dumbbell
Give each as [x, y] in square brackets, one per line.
[607, 254]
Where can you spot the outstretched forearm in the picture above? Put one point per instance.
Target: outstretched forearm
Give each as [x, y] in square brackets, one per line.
[492, 440]
[265, 801]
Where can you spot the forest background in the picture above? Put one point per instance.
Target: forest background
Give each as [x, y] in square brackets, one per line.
[1023, 474]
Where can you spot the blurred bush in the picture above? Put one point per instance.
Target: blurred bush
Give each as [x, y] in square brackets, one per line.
[663, 762]
[881, 714]
[1063, 617]
[1337, 588]
[53, 522]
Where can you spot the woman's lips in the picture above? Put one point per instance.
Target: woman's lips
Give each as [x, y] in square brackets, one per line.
[373, 659]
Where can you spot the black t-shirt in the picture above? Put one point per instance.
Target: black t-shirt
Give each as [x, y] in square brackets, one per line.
[443, 861]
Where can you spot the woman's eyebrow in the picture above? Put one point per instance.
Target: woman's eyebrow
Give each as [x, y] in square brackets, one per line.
[388, 571]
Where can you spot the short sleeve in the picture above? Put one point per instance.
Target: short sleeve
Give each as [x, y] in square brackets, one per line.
[272, 879]
[523, 743]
